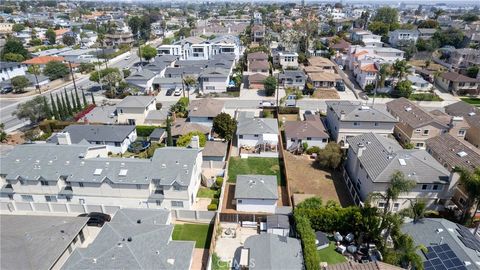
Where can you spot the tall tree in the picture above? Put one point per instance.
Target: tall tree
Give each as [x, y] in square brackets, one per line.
[14, 46]
[169, 132]
[74, 102]
[54, 108]
[64, 106]
[46, 107]
[51, 36]
[84, 99]
[67, 103]
[32, 110]
[77, 99]
[61, 110]
[384, 72]
[401, 69]
[407, 251]
[93, 100]
[224, 125]
[470, 182]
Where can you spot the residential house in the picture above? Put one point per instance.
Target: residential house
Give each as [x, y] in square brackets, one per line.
[464, 58]
[6, 28]
[293, 78]
[271, 251]
[286, 60]
[367, 38]
[9, 70]
[372, 159]
[42, 61]
[347, 119]
[256, 193]
[311, 131]
[258, 33]
[256, 80]
[182, 127]
[471, 114]
[426, 33]
[79, 56]
[419, 84]
[257, 133]
[32, 242]
[83, 174]
[104, 114]
[119, 38]
[134, 234]
[214, 151]
[402, 37]
[142, 79]
[257, 62]
[454, 153]
[320, 64]
[117, 138]
[133, 110]
[323, 79]
[202, 111]
[457, 125]
[458, 84]
[414, 125]
[214, 79]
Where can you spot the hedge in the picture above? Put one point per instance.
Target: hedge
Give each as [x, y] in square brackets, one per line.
[288, 110]
[49, 126]
[145, 131]
[212, 207]
[219, 181]
[307, 235]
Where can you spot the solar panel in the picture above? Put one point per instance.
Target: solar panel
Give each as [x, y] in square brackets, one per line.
[441, 257]
[467, 238]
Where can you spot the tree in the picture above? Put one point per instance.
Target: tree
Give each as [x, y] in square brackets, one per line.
[56, 70]
[386, 15]
[470, 183]
[13, 57]
[472, 72]
[48, 112]
[33, 110]
[18, 27]
[77, 101]
[55, 113]
[180, 108]
[470, 17]
[93, 99]
[379, 28]
[61, 110]
[84, 99]
[86, 67]
[14, 46]
[270, 85]
[51, 36]
[330, 156]
[404, 88]
[147, 52]
[401, 68]
[451, 36]
[69, 40]
[184, 140]
[407, 251]
[417, 209]
[384, 72]
[100, 76]
[67, 103]
[74, 102]
[19, 83]
[428, 24]
[224, 125]
[3, 134]
[169, 131]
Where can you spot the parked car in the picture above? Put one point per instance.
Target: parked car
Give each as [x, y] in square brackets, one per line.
[291, 101]
[177, 92]
[266, 104]
[127, 58]
[170, 92]
[6, 90]
[96, 218]
[340, 86]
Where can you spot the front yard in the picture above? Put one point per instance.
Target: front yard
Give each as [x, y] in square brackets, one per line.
[473, 101]
[330, 256]
[255, 165]
[200, 233]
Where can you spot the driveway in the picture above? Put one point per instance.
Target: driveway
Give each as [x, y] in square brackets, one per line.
[256, 94]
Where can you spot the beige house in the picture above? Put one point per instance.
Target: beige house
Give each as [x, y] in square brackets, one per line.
[458, 83]
[321, 62]
[133, 110]
[471, 114]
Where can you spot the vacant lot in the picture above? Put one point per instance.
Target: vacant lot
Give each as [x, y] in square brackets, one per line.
[305, 178]
[326, 94]
[200, 233]
[254, 165]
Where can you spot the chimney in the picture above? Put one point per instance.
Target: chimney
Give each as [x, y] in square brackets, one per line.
[361, 147]
[64, 138]
[342, 115]
[195, 142]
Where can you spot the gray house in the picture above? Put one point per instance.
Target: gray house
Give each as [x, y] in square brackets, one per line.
[142, 79]
[293, 78]
[256, 193]
[202, 111]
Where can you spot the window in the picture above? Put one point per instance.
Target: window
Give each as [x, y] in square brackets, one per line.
[435, 187]
[375, 124]
[44, 183]
[176, 187]
[239, 201]
[418, 145]
[139, 186]
[418, 130]
[210, 88]
[324, 140]
[309, 138]
[424, 187]
[356, 124]
[205, 79]
[240, 136]
[256, 135]
[292, 140]
[425, 132]
[81, 201]
[461, 132]
[381, 205]
[80, 184]
[117, 144]
[27, 198]
[177, 204]
[158, 202]
[50, 198]
[396, 206]
[69, 199]
[10, 196]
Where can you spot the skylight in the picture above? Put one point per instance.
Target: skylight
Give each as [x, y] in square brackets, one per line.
[462, 154]
[402, 162]
[123, 172]
[97, 172]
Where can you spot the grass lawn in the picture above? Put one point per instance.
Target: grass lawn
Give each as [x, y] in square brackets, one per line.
[330, 256]
[204, 192]
[254, 165]
[200, 233]
[473, 101]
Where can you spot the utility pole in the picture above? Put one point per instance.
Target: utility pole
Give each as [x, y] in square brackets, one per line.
[73, 76]
[35, 70]
[103, 48]
[278, 92]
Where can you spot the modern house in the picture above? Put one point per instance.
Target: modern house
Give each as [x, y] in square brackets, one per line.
[257, 134]
[458, 84]
[366, 38]
[402, 37]
[202, 111]
[293, 78]
[256, 193]
[258, 33]
[348, 119]
[471, 115]
[133, 110]
[76, 175]
[32, 242]
[371, 161]
[9, 70]
[312, 132]
[117, 138]
[464, 58]
[414, 125]
[133, 234]
[286, 60]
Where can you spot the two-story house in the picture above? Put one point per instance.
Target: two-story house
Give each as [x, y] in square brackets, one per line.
[402, 37]
[257, 134]
[366, 37]
[458, 84]
[133, 110]
[9, 70]
[293, 78]
[347, 119]
[202, 111]
[311, 131]
[286, 60]
[258, 33]
[372, 159]
[471, 115]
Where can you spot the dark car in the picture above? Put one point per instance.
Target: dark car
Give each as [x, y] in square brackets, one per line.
[6, 90]
[170, 91]
[340, 86]
[96, 218]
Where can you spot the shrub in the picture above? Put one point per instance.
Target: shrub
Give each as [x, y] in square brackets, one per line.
[212, 207]
[219, 181]
[307, 234]
[313, 149]
[214, 201]
[288, 110]
[145, 131]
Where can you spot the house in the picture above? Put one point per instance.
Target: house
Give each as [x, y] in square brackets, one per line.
[119, 38]
[402, 37]
[367, 38]
[414, 125]
[455, 153]
[160, 64]
[312, 132]
[262, 67]
[133, 234]
[182, 127]
[80, 56]
[270, 251]
[458, 84]
[157, 135]
[256, 193]
[371, 161]
[202, 111]
[464, 58]
[366, 73]
[323, 79]
[82, 174]
[117, 138]
[104, 114]
[419, 84]
[142, 79]
[426, 33]
[214, 80]
[457, 125]
[258, 33]
[40, 242]
[447, 243]
[348, 119]
[293, 78]
[256, 80]
[133, 110]
[471, 114]
[255, 132]
[214, 151]
[322, 64]
[287, 60]
[41, 61]
[279, 225]
[9, 70]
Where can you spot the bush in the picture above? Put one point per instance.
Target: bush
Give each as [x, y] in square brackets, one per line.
[288, 110]
[49, 126]
[212, 207]
[313, 149]
[185, 140]
[214, 201]
[219, 181]
[307, 234]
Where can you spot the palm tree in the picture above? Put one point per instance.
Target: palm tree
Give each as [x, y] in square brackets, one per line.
[407, 252]
[470, 181]
[417, 209]
[401, 68]
[384, 72]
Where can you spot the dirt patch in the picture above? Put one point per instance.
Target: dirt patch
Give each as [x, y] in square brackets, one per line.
[421, 63]
[288, 117]
[305, 178]
[15, 138]
[326, 94]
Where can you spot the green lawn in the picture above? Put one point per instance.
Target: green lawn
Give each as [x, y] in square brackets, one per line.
[330, 256]
[473, 101]
[200, 233]
[204, 192]
[254, 165]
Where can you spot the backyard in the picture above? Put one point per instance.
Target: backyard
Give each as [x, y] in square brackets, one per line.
[200, 233]
[254, 165]
[330, 256]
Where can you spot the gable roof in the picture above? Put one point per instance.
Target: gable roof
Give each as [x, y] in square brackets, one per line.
[256, 187]
[411, 114]
[305, 129]
[257, 78]
[323, 77]
[355, 111]
[456, 77]
[369, 68]
[206, 107]
[135, 102]
[469, 112]
[259, 65]
[292, 74]
[215, 149]
[94, 133]
[42, 60]
[181, 127]
[257, 56]
[144, 75]
[252, 125]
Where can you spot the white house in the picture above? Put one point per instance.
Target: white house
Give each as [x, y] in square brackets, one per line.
[287, 59]
[214, 79]
[8, 70]
[256, 133]
[133, 110]
[256, 193]
[401, 37]
[366, 37]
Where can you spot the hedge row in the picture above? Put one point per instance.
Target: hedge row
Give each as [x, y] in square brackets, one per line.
[307, 234]
[49, 126]
[145, 131]
[288, 110]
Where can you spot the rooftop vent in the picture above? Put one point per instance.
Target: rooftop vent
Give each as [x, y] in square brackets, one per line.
[402, 162]
[407, 109]
[97, 172]
[171, 261]
[439, 230]
[123, 172]
[365, 108]
[462, 154]
[164, 165]
[471, 113]
[139, 221]
[129, 239]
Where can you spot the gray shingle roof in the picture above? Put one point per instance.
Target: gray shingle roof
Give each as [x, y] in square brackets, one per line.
[271, 251]
[256, 187]
[136, 102]
[125, 243]
[248, 125]
[354, 111]
[97, 133]
[157, 134]
[278, 221]
[36, 242]
[215, 149]
[381, 158]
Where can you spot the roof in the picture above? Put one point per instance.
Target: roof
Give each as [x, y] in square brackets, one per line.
[411, 114]
[469, 112]
[362, 266]
[454, 152]
[271, 251]
[292, 74]
[257, 56]
[181, 127]
[96, 133]
[369, 68]
[215, 73]
[426, 232]
[42, 60]
[36, 242]
[320, 62]
[134, 239]
[136, 102]
[61, 31]
[215, 149]
[427, 30]
[6, 65]
[355, 111]
[323, 77]
[102, 115]
[259, 65]
[257, 78]
[278, 221]
[142, 75]
[382, 156]
[256, 187]
[207, 107]
[456, 77]
[157, 133]
[305, 129]
[248, 125]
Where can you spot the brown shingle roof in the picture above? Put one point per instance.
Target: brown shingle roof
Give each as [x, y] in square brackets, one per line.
[257, 56]
[320, 62]
[456, 77]
[470, 113]
[410, 114]
[215, 149]
[181, 127]
[259, 65]
[362, 266]
[206, 107]
[304, 129]
[256, 78]
[323, 77]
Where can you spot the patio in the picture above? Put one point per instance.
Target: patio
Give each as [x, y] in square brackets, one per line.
[231, 240]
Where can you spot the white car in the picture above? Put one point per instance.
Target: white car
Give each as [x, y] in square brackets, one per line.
[266, 104]
[177, 92]
[127, 58]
